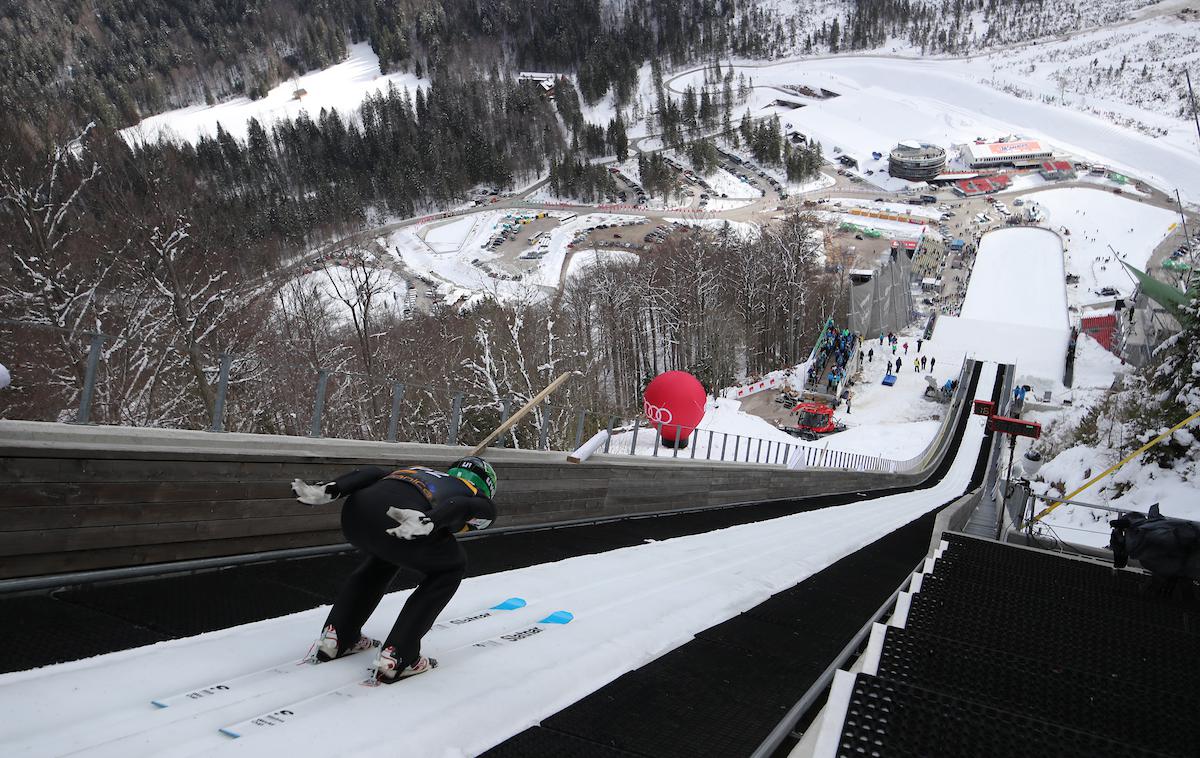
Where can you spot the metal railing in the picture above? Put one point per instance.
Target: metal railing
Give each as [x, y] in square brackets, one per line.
[1025, 502]
[718, 446]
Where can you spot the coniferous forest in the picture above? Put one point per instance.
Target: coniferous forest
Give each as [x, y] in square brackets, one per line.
[180, 252]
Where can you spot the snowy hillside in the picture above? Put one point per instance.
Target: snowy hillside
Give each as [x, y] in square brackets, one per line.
[1133, 76]
[341, 87]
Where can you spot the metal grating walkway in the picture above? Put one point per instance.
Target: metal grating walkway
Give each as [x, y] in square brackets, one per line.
[1008, 651]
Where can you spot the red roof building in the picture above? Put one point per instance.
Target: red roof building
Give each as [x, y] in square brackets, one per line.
[981, 186]
[1057, 170]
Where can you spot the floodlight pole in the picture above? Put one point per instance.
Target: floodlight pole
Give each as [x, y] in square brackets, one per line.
[1186, 237]
[1192, 97]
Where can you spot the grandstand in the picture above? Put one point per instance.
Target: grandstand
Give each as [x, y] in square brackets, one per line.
[916, 161]
[984, 185]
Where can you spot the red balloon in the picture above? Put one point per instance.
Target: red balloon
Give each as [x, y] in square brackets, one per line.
[674, 404]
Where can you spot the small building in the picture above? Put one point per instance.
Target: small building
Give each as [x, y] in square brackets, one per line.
[1014, 153]
[958, 245]
[299, 93]
[545, 81]
[1055, 171]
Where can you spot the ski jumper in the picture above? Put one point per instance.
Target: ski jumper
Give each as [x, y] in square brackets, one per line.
[447, 501]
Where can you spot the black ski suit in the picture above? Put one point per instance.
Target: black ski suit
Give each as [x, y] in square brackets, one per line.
[446, 500]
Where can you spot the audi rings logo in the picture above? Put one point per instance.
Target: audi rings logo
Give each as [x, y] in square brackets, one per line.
[656, 414]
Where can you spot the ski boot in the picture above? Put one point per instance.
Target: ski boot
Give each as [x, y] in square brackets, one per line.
[326, 648]
[388, 671]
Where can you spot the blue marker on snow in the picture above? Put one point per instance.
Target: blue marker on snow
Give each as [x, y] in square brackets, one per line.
[511, 604]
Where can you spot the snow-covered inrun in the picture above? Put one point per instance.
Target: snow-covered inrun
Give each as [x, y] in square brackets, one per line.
[341, 87]
[631, 606]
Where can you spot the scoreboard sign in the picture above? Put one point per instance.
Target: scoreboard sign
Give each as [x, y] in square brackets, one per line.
[985, 408]
[1015, 427]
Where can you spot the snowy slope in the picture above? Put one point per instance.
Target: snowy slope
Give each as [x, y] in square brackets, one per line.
[1132, 76]
[1016, 305]
[631, 606]
[347, 290]
[1097, 220]
[586, 259]
[341, 87]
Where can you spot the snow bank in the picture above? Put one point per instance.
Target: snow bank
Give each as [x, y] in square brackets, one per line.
[742, 229]
[450, 237]
[341, 87]
[586, 259]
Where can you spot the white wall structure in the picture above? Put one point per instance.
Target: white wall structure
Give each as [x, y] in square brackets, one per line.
[1016, 305]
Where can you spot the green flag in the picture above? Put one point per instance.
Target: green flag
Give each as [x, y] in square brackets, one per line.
[1160, 292]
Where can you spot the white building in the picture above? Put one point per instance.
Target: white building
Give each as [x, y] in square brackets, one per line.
[1017, 153]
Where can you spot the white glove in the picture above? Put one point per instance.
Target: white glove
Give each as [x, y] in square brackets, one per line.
[311, 494]
[412, 523]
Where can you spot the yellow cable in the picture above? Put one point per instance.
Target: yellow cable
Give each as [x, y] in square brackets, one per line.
[1113, 468]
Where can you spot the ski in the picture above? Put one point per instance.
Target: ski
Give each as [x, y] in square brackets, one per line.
[228, 688]
[512, 604]
[290, 713]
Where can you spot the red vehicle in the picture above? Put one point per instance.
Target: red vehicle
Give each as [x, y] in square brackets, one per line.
[815, 420]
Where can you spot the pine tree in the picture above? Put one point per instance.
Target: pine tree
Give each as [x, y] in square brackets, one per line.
[1174, 380]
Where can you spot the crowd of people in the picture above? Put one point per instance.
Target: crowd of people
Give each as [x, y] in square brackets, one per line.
[834, 350]
[899, 350]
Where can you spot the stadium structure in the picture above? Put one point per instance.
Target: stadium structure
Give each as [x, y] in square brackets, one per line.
[916, 161]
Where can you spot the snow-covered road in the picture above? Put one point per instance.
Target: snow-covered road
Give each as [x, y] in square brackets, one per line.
[631, 606]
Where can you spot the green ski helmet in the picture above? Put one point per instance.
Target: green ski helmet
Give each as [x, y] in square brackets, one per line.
[477, 472]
